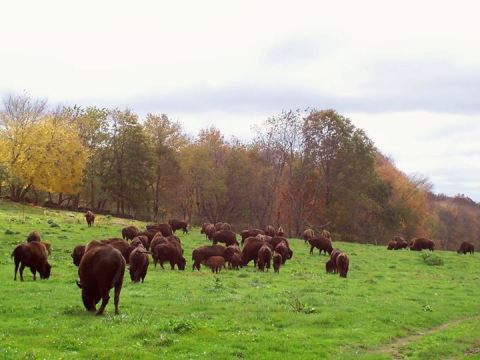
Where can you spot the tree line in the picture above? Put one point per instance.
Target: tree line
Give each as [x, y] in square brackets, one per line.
[304, 168]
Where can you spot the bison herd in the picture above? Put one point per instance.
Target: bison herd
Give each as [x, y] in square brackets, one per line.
[101, 263]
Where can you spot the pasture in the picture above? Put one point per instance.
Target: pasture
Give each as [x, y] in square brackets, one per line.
[392, 305]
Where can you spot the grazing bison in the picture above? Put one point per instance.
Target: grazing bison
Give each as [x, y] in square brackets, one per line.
[165, 229]
[308, 234]
[250, 249]
[230, 251]
[215, 263]
[101, 269]
[274, 241]
[150, 234]
[130, 232]
[33, 255]
[250, 233]
[138, 264]
[236, 261]
[392, 245]
[342, 264]
[280, 231]
[226, 226]
[90, 217]
[121, 245]
[401, 243]
[419, 244]
[209, 231]
[264, 257]
[331, 264]
[270, 230]
[170, 251]
[157, 240]
[141, 239]
[77, 254]
[227, 237]
[466, 247]
[204, 252]
[33, 236]
[322, 244]
[283, 249]
[178, 224]
[277, 262]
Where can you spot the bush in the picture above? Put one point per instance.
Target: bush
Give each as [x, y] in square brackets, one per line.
[9, 232]
[431, 259]
[296, 305]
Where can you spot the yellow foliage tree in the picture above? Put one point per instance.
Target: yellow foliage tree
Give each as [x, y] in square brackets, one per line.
[52, 157]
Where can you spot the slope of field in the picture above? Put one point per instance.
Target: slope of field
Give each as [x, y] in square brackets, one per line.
[392, 305]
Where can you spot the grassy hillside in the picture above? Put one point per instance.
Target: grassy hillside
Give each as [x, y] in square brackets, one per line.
[392, 305]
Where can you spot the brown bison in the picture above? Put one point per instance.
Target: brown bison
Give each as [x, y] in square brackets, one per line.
[419, 244]
[248, 233]
[101, 269]
[250, 249]
[230, 252]
[121, 245]
[326, 234]
[33, 255]
[322, 244]
[283, 249]
[90, 217]
[226, 227]
[227, 237]
[77, 254]
[204, 252]
[218, 226]
[157, 240]
[264, 257]
[138, 264]
[150, 234]
[236, 261]
[308, 234]
[392, 245]
[215, 263]
[331, 264]
[207, 229]
[170, 251]
[466, 247]
[142, 240]
[165, 229]
[130, 232]
[270, 230]
[401, 243]
[342, 264]
[280, 231]
[277, 262]
[178, 224]
[33, 236]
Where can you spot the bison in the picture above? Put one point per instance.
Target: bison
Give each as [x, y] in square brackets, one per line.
[138, 264]
[204, 252]
[215, 263]
[392, 245]
[157, 240]
[236, 261]
[178, 224]
[270, 230]
[248, 233]
[141, 240]
[33, 236]
[33, 255]
[130, 232]
[419, 244]
[230, 252]
[101, 269]
[165, 229]
[466, 247]
[77, 254]
[264, 257]
[250, 249]
[331, 264]
[342, 264]
[280, 231]
[121, 245]
[322, 244]
[308, 234]
[227, 237]
[90, 217]
[170, 251]
[283, 249]
[277, 262]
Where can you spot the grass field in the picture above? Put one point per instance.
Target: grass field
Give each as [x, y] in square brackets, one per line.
[393, 305]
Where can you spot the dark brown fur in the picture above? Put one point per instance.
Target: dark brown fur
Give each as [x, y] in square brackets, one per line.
[331, 264]
[226, 237]
[466, 247]
[138, 264]
[322, 244]
[142, 239]
[252, 232]
[236, 261]
[130, 232]
[165, 229]
[157, 240]
[204, 252]
[250, 249]
[264, 257]
[178, 224]
[33, 255]
[90, 217]
[419, 244]
[77, 254]
[283, 249]
[101, 269]
[33, 236]
[342, 264]
[121, 245]
[392, 245]
[308, 234]
[270, 230]
[215, 263]
[277, 262]
[170, 251]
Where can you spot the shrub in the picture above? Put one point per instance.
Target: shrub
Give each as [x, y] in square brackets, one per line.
[431, 259]
[9, 232]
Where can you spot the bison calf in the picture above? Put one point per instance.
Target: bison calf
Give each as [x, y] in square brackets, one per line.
[277, 262]
[342, 264]
[264, 257]
[138, 264]
[215, 263]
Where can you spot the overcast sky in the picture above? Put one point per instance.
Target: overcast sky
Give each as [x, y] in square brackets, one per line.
[407, 72]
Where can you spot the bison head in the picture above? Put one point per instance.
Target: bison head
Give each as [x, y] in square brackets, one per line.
[181, 263]
[45, 271]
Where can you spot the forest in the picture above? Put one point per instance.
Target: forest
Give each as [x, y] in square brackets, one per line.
[303, 168]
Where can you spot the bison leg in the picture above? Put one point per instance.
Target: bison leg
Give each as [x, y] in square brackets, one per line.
[172, 264]
[34, 272]
[311, 249]
[116, 298]
[105, 299]
[17, 263]
[22, 267]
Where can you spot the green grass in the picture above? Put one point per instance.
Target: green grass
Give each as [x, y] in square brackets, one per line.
[301, 313]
